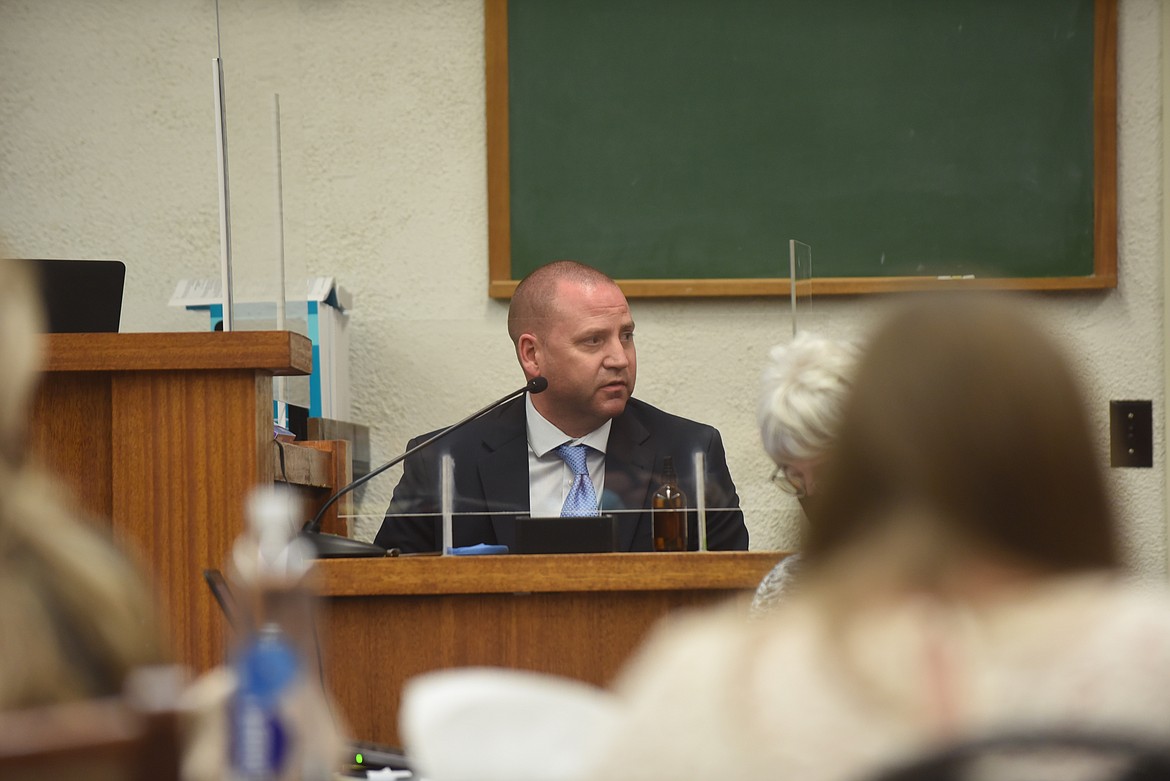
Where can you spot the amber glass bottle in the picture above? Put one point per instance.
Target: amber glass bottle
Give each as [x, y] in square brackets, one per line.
[669, 511]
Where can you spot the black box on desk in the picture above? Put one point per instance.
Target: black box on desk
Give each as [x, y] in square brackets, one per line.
[588, 534]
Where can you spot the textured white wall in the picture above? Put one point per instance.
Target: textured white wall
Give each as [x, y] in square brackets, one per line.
[107, 150]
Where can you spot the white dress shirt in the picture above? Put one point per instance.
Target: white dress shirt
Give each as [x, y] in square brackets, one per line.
[549, 477]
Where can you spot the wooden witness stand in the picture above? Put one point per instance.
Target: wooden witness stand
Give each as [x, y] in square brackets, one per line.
[580, 616]
[162, 437]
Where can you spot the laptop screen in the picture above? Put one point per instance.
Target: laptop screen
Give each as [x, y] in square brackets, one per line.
[81, 296]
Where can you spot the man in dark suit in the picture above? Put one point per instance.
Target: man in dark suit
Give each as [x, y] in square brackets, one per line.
[581, 446]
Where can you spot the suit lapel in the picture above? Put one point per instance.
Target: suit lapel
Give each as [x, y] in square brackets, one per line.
[629, 467]
[503, 470]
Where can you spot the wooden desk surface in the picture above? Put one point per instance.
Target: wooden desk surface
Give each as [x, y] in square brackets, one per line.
[723, 570]
[272, 352]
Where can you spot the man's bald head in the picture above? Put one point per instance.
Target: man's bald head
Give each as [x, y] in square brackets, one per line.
[534, 302]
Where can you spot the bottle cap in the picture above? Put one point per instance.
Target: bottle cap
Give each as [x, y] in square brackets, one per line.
[273, 520]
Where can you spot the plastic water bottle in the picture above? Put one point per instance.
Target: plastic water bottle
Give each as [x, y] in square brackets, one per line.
[279, 726]
[263, 733]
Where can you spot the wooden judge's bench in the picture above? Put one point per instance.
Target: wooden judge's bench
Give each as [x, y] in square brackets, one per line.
[162, 437]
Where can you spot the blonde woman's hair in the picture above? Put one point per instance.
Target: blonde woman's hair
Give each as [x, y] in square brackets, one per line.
[75, 617]
[802, 393]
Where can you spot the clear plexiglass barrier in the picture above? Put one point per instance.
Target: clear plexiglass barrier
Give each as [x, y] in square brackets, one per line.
[645, 503]
[800, 274]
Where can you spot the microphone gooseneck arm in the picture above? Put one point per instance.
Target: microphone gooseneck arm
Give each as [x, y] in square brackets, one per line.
[535, 385]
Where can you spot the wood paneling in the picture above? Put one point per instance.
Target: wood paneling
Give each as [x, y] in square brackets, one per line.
[163, 436]
[69, 432]
[317, 469]
[387, 620]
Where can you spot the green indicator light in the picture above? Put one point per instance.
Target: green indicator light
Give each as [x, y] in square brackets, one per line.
[358, 759]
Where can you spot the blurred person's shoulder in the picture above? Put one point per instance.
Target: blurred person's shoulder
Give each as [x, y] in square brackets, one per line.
[711, 643]
[1113, 657]
[1100, 644]
[1130, 612]
[1110, 600]
[716, 694]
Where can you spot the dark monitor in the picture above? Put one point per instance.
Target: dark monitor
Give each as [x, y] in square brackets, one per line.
[81, 296]
[597, 534]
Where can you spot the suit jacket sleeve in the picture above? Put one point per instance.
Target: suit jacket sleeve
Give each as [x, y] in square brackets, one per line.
[415, 493]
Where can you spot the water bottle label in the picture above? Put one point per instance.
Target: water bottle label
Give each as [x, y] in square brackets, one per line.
[261, 737]
[259, 741]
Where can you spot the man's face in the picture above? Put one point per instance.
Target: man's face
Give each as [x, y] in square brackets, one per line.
[587, 355]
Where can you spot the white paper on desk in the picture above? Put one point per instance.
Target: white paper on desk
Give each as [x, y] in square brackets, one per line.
[488, 724]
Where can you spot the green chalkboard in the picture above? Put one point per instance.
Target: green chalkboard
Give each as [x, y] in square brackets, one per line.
[686, 141]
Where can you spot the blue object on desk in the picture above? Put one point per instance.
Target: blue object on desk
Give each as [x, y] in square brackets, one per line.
[478, 550]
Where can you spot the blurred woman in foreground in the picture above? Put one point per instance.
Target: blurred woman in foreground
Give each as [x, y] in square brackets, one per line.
[961, 579]
[75, 617]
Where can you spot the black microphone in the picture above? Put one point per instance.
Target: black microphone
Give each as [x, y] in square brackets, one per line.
[335, 546]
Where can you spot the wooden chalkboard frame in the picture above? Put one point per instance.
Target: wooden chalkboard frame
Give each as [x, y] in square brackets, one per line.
[1104, 276]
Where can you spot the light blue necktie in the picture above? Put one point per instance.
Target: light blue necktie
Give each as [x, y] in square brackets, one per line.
[582, 499]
